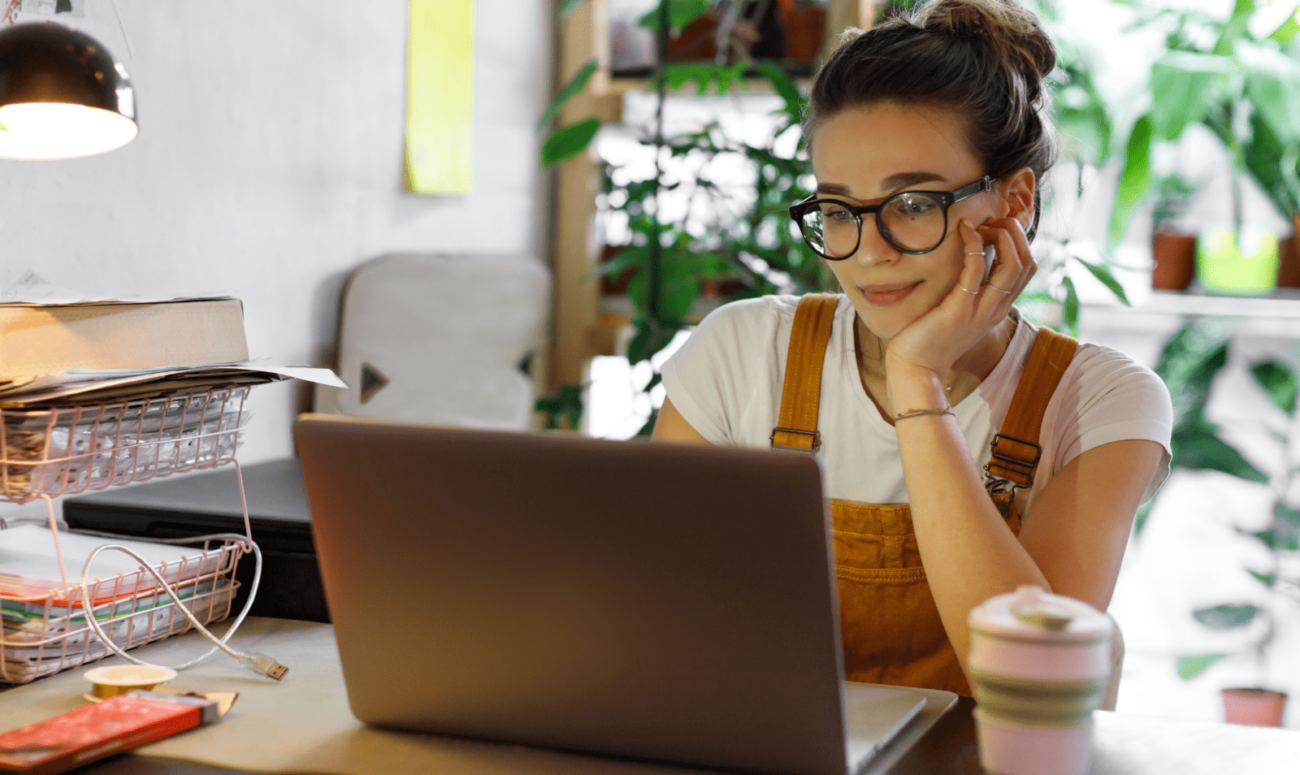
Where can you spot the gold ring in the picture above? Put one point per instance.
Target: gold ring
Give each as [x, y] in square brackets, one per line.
[975, 254]
[964, 288]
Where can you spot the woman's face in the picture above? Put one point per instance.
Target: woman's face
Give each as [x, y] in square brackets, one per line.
[865, 154]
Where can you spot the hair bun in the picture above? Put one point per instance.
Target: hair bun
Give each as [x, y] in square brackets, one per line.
[1011, 31]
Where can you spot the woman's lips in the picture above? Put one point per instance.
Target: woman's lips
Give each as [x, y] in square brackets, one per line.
[886, 295]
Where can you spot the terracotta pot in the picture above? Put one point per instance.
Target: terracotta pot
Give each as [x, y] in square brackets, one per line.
[1256, 707]
[696, 43]
[1288, 260]
[1175, 260]
[805, 31]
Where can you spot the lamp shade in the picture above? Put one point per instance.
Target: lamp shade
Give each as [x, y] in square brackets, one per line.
[61, 94]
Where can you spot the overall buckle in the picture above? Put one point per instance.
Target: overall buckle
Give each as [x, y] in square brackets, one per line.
[816, 438]
[1013, 460]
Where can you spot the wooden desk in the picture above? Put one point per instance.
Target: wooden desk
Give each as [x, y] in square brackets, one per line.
[303, 725]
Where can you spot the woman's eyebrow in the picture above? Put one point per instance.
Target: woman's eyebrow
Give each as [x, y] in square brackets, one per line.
[910, 179]
[891, 183]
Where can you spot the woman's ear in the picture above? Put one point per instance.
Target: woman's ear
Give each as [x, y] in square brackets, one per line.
[1017, 192]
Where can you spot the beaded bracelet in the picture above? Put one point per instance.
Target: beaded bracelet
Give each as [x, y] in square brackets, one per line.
[921, 413]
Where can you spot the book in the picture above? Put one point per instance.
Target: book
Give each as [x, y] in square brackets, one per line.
[44, 338]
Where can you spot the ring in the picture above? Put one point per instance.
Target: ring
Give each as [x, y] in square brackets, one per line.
[975, 254]
[964, 288]
[994, 287]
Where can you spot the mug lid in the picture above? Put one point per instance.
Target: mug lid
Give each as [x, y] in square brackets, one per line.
[1029, 613]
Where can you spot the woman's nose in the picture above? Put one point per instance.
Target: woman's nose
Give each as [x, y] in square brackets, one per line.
[873, 248]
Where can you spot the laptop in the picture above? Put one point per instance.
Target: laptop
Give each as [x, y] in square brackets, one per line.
[666, 602]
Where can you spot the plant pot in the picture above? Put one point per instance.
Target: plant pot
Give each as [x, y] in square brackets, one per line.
[1256, 707]
[1175, 260]
[696, 43]
[1288, 261]
[1242, 263]
[805, 32]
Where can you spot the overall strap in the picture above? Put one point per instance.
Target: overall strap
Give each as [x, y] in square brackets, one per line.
[1015, 448]
[801, 393]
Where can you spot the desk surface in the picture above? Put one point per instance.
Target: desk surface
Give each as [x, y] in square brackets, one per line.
[303, 725]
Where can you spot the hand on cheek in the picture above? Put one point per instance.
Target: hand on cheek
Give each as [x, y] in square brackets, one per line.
[927, 348]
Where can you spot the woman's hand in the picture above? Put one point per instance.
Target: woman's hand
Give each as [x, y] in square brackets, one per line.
[919, 357]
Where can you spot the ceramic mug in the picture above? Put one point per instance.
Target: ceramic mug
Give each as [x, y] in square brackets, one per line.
[1040, 664]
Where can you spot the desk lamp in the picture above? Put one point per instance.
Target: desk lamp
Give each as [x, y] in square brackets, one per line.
[61, 94]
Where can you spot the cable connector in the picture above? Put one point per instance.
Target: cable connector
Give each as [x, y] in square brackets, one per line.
[263, 665]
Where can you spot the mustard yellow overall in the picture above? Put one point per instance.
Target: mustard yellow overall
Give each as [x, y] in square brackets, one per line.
[889, 624]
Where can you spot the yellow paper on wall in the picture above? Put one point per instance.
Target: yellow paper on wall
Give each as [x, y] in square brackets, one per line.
[440, 97]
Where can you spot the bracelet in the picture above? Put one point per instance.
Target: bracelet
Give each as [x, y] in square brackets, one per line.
[921, 413]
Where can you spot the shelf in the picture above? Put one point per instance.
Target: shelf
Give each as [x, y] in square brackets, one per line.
[1283, 303]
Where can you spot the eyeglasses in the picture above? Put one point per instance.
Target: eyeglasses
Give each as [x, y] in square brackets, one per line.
[912, 222]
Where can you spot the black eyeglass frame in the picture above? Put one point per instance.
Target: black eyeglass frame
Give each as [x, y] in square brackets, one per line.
[945, 199]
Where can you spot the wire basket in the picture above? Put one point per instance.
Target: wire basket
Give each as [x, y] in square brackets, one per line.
[68, 450]
[44, 635]
[65, 450]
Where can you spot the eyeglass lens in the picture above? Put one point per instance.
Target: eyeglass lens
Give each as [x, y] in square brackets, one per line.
[908, 221]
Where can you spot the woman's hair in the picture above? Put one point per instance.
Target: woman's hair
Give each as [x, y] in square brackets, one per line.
[983, 59]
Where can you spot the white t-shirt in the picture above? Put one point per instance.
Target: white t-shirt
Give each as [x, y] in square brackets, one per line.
[726, 382]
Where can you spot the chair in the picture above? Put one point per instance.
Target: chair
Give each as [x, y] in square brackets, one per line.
[440, 339]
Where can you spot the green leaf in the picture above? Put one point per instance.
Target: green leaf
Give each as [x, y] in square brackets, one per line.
[1237, 26]
[786, 89]
[1267, 579]
[1198, 448]
[1180, 90]
[629, 257]
[1287, 514]
[1284, 541]
[1140, 519]
[1190, 667]
[1273, 85]
[1070, 308]
[1101, 272]
[1189, 363]
[1226, 617]
[1285, 33]
[564, 404]
[569, 140]
[1133, 181]
[569, 6]
[1273, 164]
[574, 87]
[1280, 383]
[680, 14]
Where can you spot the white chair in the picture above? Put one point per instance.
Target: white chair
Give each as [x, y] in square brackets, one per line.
[440, 339]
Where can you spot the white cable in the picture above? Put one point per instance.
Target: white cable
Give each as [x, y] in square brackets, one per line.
[258, 663]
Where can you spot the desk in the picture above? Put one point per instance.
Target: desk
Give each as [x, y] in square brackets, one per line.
[303, 725]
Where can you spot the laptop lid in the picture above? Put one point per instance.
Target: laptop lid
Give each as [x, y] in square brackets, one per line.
[659, 601]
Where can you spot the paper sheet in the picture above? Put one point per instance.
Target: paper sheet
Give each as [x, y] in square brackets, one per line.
[440, 97]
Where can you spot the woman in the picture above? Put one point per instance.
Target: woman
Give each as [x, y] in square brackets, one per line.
[929, 140]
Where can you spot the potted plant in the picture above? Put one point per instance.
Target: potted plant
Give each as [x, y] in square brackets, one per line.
[742, 246]
[1245, 89]
[1189, 363]
[1172, 249]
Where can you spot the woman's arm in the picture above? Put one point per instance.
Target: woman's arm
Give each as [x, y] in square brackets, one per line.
[671, 426]
[1075, 539]
[1072, 545]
